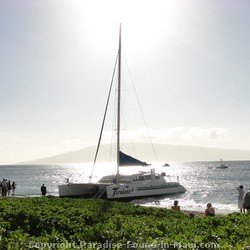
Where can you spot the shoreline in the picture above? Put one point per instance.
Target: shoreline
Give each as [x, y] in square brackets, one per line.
[199, 210]
[186, 210]
[217, 211]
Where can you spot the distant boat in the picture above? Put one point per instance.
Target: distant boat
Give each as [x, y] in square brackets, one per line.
[222, 165]
[166, 165]
[119, 186]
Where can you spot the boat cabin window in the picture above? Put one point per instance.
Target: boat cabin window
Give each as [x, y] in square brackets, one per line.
[107, 179]
[147, 177]
[124, 180]
[157, 177]
[139, 178]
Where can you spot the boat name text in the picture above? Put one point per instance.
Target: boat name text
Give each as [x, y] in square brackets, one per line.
[123, 191]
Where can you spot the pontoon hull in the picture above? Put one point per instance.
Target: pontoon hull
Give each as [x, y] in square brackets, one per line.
[133, 191]
[79, 189]
[120, 192]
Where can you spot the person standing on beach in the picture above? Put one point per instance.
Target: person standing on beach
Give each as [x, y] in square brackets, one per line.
[240, 198]
[43, 190]
[246, 201]
[4, 187]
[13, 187]
[8, 187]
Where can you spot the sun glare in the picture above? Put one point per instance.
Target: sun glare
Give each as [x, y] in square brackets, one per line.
[142, 20]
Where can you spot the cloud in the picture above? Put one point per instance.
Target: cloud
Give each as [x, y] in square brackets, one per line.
[17, 139]
[180, 133]
[72, 144]
[217, 134]
[196, 136]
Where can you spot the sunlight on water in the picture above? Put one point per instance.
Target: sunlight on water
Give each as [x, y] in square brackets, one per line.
[203, 181]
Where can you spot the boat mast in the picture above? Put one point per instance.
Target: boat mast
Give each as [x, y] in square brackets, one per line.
[119, 103]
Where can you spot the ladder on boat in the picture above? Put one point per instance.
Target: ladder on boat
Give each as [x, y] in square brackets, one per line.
[99, 194]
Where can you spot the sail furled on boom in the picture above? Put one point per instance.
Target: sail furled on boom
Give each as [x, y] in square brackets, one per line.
[127, 160]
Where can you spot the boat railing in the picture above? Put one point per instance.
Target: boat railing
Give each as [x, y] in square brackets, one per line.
[171, 178]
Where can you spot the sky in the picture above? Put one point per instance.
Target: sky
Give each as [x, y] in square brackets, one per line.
[188, 60]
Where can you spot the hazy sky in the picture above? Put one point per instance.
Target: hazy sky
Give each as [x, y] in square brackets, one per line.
[189, 61]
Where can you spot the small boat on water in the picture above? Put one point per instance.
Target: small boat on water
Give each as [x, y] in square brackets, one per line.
[222, 165]
[118, 186]
[166, 165]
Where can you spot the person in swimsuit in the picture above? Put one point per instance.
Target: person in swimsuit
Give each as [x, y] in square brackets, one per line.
[210, 210]
[175, 207]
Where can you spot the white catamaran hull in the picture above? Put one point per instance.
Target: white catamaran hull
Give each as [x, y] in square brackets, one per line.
[124, 191]
[120, 191]
[79, 189]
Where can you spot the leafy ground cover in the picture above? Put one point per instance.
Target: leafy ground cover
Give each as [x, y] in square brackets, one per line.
[62, 223]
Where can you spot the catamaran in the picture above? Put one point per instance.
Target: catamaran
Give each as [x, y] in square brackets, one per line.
[119, 186]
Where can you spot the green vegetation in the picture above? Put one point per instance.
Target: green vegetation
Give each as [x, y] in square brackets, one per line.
[29, 223]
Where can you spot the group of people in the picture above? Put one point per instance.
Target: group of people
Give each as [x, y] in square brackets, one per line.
[6, 187]
[243, 203]
[208, 212]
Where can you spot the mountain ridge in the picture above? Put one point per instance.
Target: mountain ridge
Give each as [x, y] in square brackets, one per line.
[165, 153]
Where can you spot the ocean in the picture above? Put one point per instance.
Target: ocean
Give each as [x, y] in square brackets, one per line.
[203, 181]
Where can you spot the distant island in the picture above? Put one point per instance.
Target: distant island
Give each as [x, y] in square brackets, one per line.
[165, 153]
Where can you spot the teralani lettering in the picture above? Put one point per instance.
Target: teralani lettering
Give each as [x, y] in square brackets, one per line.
[124, 191]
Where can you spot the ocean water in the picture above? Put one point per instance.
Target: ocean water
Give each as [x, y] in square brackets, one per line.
[203, 181]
